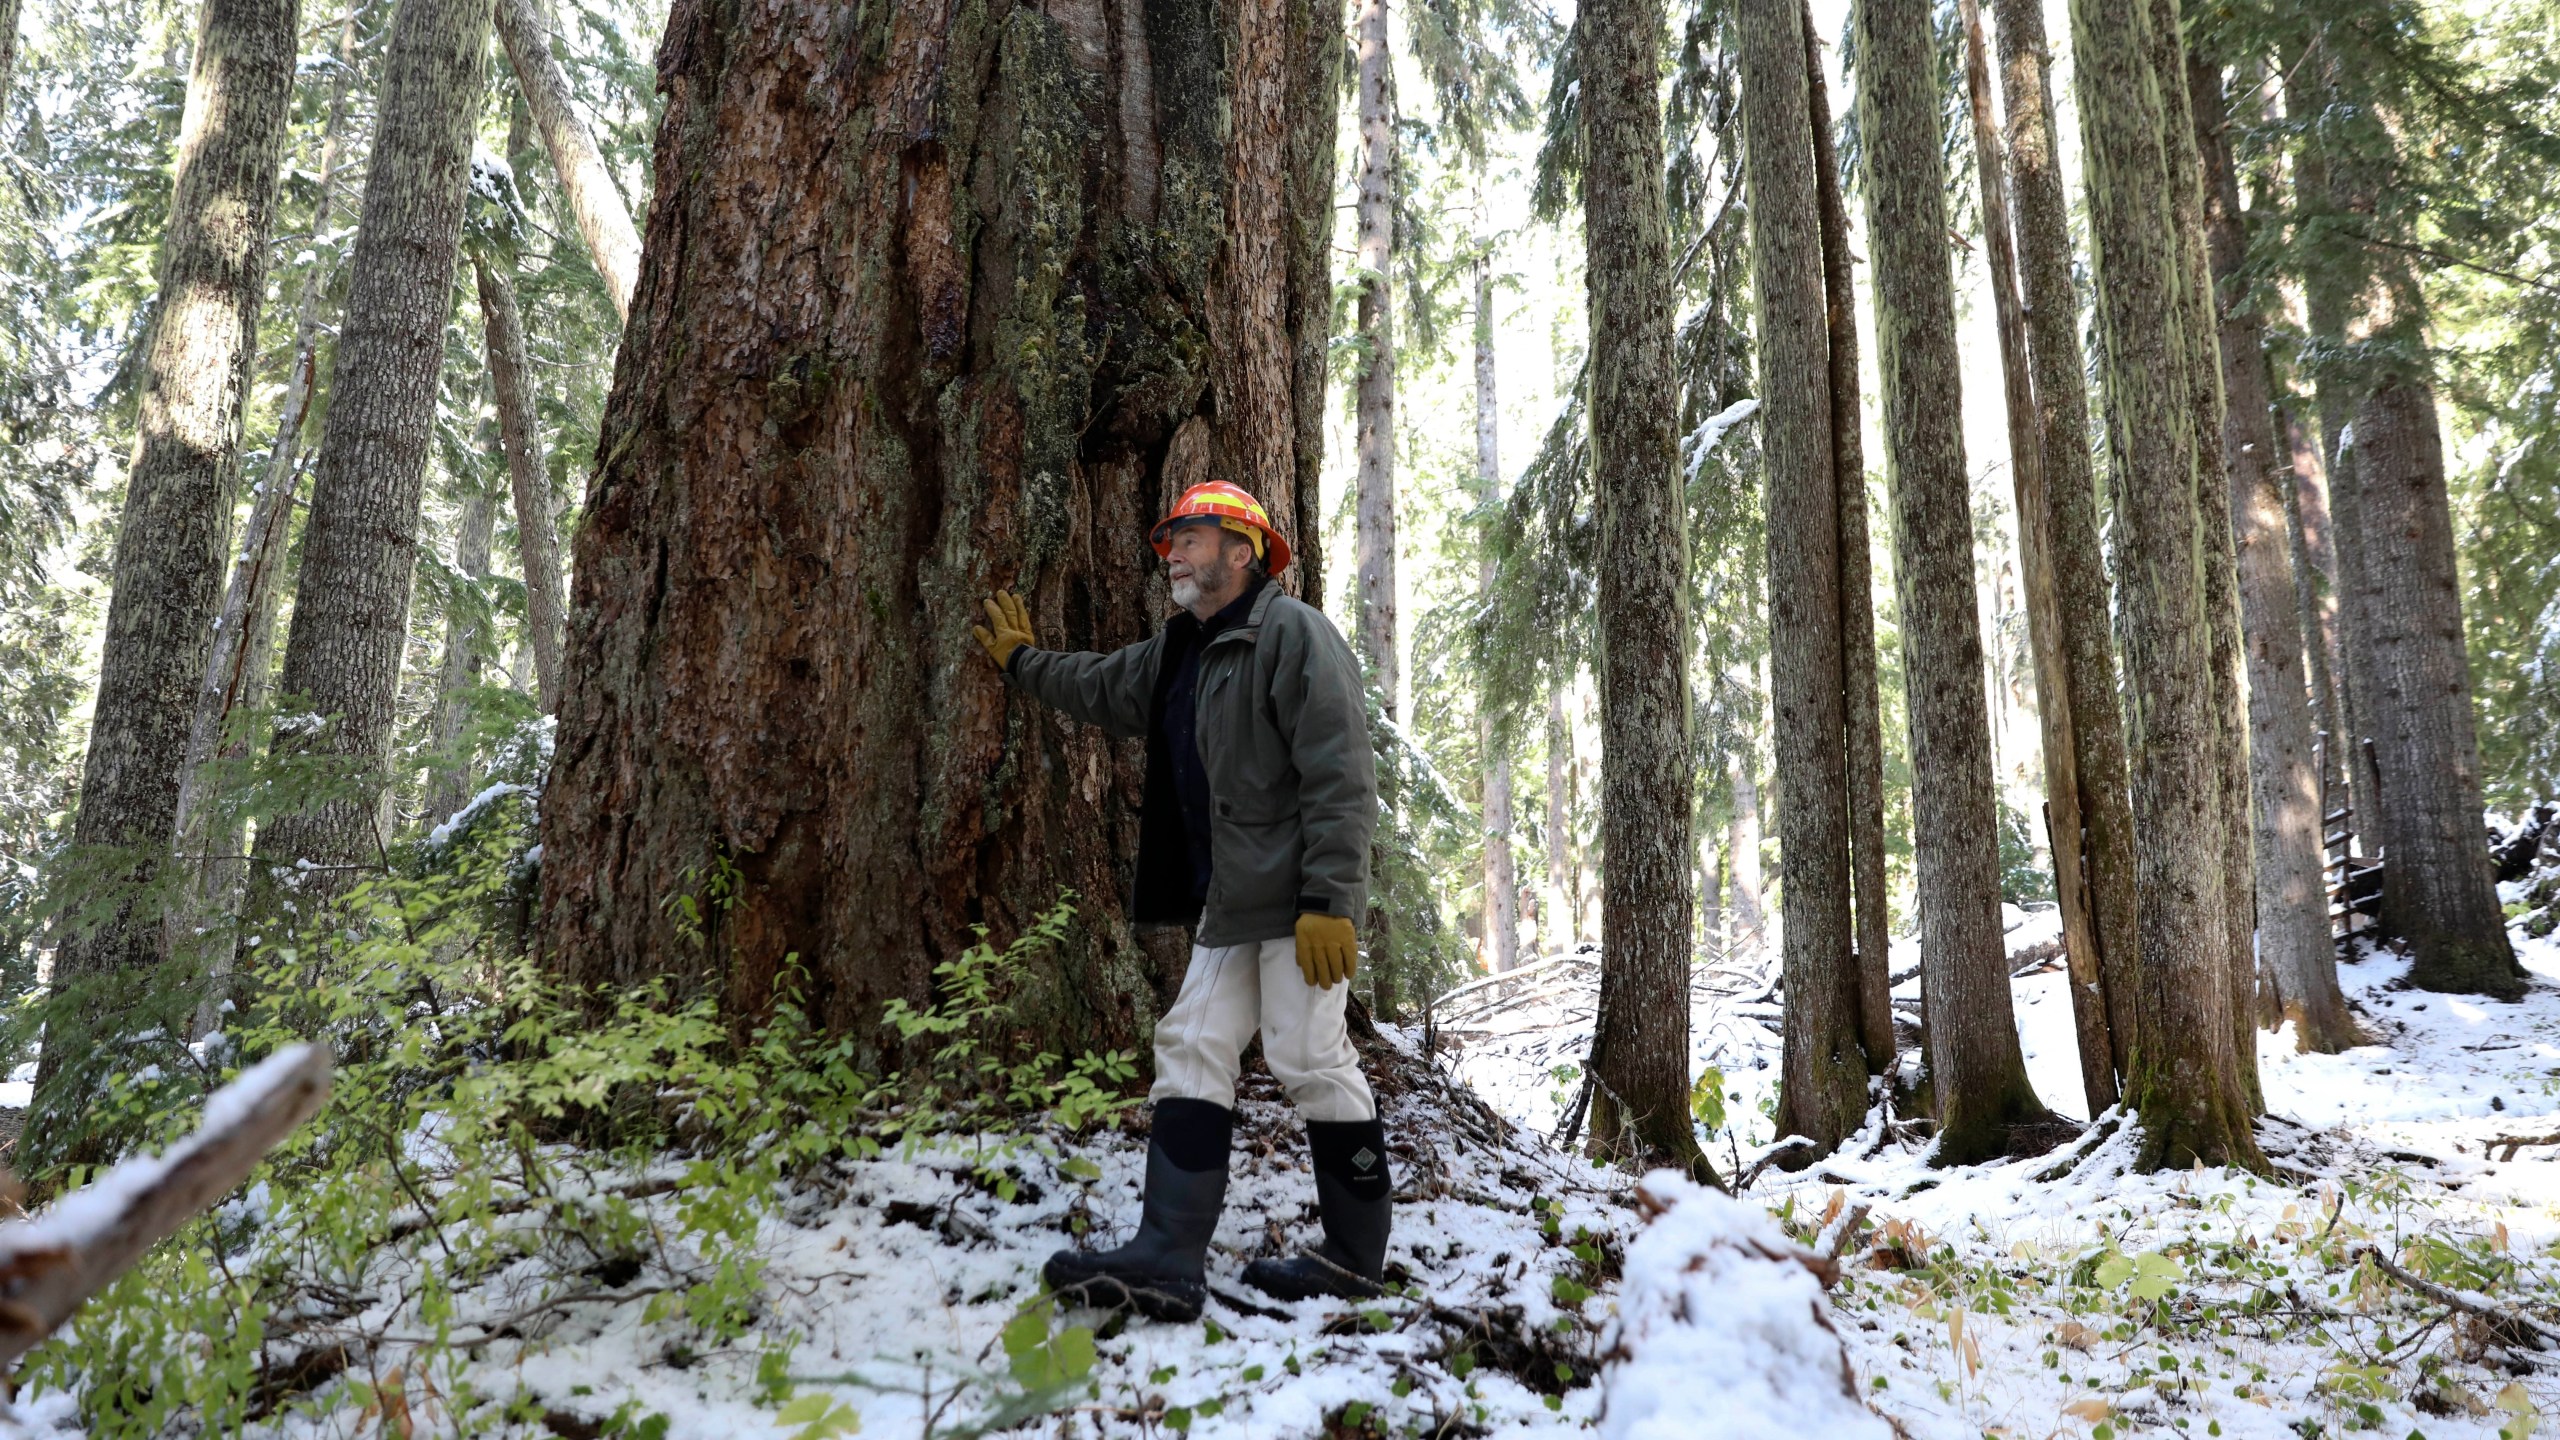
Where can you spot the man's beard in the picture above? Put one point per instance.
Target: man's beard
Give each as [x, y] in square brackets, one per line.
[1203, 580]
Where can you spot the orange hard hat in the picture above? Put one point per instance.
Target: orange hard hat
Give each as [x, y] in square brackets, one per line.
[1233, 509]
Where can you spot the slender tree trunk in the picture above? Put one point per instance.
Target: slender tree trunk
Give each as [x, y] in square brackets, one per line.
[2306, 518]
[2292, 902]
[351, 608]
[1710, 893]
[1822, 1090]
[1564, 905]
[2106, 839]
[2184, 1083]
[8, 49]
[466, 649]
[2197, 331]
[1861, 700]
[1377, 383]
[841, 421]
[537, 529]
[604, 221]
[1742, 844]
[2043, 601]
[2438, 892]
[171, 540]
[1976, 1068]
[1501, 881]
[243, 648]
[1640, 1046]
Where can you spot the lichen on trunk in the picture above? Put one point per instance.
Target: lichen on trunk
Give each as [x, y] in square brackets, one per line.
[998, 281]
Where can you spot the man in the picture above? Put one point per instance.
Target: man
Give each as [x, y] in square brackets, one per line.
[1260, 800]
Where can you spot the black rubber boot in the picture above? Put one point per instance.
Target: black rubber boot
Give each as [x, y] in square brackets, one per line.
[1352, 1190]
[1162, 1270]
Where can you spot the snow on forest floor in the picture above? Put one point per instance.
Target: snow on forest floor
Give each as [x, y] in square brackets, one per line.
[2392, 1137]
[1984, 1301]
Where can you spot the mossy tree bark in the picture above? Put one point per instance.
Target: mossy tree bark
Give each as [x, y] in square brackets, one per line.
[2184, 1082]
[950, 302]
[2293, 945]
[2082, 603]
[2043, 604]
[1640, 1049]
[1977, 1071]
[1822, 1091]
[170, 542]
[1859, 687]
[2198, 329]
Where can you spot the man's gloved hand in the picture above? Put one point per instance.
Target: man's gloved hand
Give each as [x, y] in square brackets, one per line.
[1012, 621]
[1328, 949]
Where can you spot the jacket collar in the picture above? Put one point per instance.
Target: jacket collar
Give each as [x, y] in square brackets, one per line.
[1256, 601]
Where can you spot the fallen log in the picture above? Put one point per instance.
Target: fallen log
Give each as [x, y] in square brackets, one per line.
[52, 1263]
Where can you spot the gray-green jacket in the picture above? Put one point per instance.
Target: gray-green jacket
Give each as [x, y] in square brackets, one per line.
[1293, 788]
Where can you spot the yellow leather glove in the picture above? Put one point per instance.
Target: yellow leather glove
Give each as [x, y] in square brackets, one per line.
[1012, 621]
[1328, 949]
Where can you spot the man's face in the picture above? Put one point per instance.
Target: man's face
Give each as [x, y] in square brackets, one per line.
[1204, 561]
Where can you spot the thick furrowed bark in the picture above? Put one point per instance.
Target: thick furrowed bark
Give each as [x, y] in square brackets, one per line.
[1016, 277]
[1977, 1070]
[2044, 609]
[2197, 329]
[2184, 1082]
[1822, 1090]
[1640, 1049]
[2106, 839]
[2437, 889]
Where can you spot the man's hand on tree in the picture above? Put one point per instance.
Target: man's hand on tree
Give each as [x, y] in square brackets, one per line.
[1012, 621]
[1328, 949]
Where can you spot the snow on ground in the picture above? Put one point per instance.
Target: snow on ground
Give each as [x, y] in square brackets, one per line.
[1983, 1301]
[2391, 1134]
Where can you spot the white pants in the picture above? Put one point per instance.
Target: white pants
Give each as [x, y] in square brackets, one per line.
[1228, 993]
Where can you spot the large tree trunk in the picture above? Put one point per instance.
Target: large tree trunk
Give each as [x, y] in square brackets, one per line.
[2185, 1083]
[2284, 781]
[2197, 331]
[2043, 602]
[1018, 267]
[1376, 400]
[1640, 1045]
[2106, 839]
[537, 529]
[604, 221]
[2437, 890]
[170, 542]
[351, 606]
[1822, 1088]
[1501, 880]
[1860, 692]
[467, 647]
[1977, 1070]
